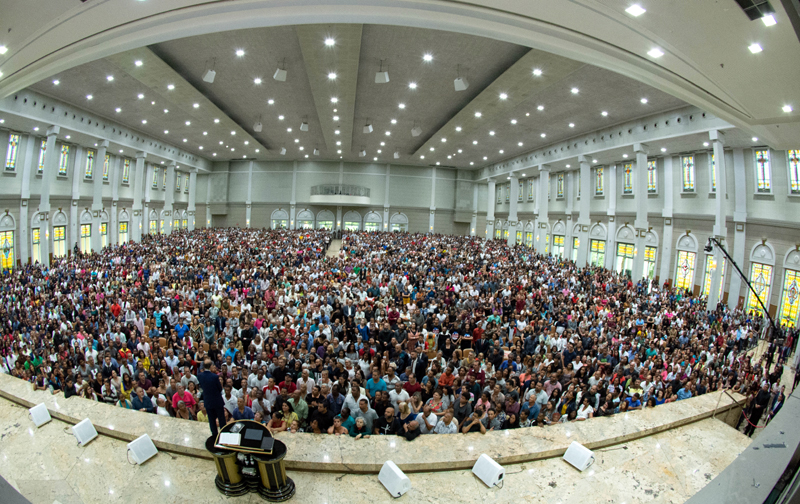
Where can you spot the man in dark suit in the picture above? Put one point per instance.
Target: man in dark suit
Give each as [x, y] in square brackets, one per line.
[212, 396]
[349, 310]
[759, 405]
[419, 364]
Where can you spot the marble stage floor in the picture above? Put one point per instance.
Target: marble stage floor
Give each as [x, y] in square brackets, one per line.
[46, 466]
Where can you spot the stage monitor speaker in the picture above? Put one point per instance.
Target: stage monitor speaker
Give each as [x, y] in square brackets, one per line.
[142, 449]
[209, 76]
[39, 414]
[84, 431]
[488, 471]
[579, 456]
[395, 481]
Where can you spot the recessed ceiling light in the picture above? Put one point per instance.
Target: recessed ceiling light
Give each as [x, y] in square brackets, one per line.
[110, 78]
[166, 132]
[471, 163]
[140, 96]
[138, 62]
[67, 137]
[36, 128]
[540, 108]
[444, 140]
[491, 133]
[247, 142]
[478, 114]
[335, 118]
[402, 105]
[485, 158]
[437, 163]
[705, 144]
[89, 97]
[379, 151]
[335, 110]
[220, 142]
[280, 118]
[240, 52]
[427, 57]
[338, 142]
[152, 103]
[594, 160]
[432, 149]
[755, 48]
[216, 121]
[568, 166]
[393, 121]
[543, 135]
[196, 105]
[625, 156]
[201, 148]
[635, 10]
[604, 113]
[233, 133]
[335, 132]
[503, 96]
[513, 121]
[519, 144]
[257, 80]
[334, 100]
[118, 110]
[458, 128]
[383, 144]
[500, 151]
[755, 139]
[339, 151]
[56, 82]
[214, 154]
[571, 125]
[188, 123]
[663, 149]
[769, 20]
[120, 151]
[787, 108]
[537, 72]
[288, 130]
[166, 111]
[258, 150]
[332, 75]
[422, 156]
[233, 149]
[474, 142]
[301, 148]
[388, 133]
[527, 114]
[449, 157]
[170, 86]
[643, 100]
[575, 90]
[144, 121]
[205, 133]
[270, 102]
[330, 42]
[185, 140]
[655, 52]
[412, 85]
[3, 49]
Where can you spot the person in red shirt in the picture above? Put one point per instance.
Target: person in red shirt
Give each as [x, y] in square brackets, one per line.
[183, 395]
[288, 384]
[412, 386]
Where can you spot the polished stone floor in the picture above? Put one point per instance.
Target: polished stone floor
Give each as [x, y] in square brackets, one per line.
[47, 466]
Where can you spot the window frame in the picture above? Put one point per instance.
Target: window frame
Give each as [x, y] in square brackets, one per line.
[599, 181]
[693, 171]
[12, 152]
[794, 184]
[750, 303]
[88, 171]
[627, 172]
[768, 180]
[560, 186]
[63, 161]
[682, 285]
[652, 168]
[782, 318]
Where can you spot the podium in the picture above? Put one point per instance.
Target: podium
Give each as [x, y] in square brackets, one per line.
[255, 464]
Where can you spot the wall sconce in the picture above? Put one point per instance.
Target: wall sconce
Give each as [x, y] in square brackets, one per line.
[339, 223]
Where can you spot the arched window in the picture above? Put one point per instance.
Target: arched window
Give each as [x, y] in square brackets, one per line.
[686, 261]
[7, 227]
[280, 219]
[790, 295]
[762, 263]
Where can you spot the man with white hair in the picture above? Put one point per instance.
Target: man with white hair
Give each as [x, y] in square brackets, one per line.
[305, 381]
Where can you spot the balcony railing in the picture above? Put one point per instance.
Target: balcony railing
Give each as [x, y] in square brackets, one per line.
[339, 190]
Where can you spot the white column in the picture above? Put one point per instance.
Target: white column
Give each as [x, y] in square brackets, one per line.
[293, 200]
[544, 217]
[338, 218]
[248, 204]
[473, 223]
[386, 199]
[720, 228]
[139, 182]
[740, 225]
[48, 176]
[512, 210]
[569, 198]
[490, 204]
[78, 173]
[25, 236]
[640, 225]
[611, 211]
[192, 207]
[208, 202]
[114, 175]
[97, 195]
[666, 241]
[432, 217]
[148, 191]
[584, 218]
[169, 199]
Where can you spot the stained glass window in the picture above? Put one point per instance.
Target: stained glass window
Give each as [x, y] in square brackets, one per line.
[153, 227]
[687, 171]
[103, 234]
[578, 180]
[123, 232]
[165, 180]
[684, 274]
[547, 244]
[711, 265]
[575, 244]
[560, 185]
[652, 176]
[763, 178]
[86, 238]
[713, 173]
[650, 262]
[558, 245]
[63, 162]
[794, 171]
[598, 253]
[59, 241]
[106, 162]
[499, 196]
[7, 249]
[521, 190]
[498, 233]
[155, 177]
[185, 223]
[627, 178]
[530, 189]
[760, 279]
[90, 154]
[42, 150]
[176, 224]
[178, 184]
[11, 154]
[189, 178]
[508, 192]
[624, 258]
[598, 181]
[790, 298]
[36, 238]
[529, 239]
[126, 171]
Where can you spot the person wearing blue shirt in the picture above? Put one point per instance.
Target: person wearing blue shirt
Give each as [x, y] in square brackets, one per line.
[231, 352]
[376, 384]
[181, 329]
[684, 393]
[140, 401]
[242, 412]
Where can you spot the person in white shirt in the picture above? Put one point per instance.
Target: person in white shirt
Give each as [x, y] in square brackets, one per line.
[427, 420]
[398, 395]
[257, 380]
[307, 382]
[172, 361]
[448, 425]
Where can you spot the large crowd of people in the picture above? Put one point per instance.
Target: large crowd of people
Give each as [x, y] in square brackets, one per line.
[397, 333]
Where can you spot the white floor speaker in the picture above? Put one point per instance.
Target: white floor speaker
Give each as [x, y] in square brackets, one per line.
[489, 471]
[39, 414]
[579, 456]
[84, 431]
[142, 449]
[395, 481]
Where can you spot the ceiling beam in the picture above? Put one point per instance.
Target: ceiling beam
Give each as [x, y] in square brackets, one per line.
[320, 60]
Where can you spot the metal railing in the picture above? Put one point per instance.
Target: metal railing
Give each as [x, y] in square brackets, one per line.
[339, 190]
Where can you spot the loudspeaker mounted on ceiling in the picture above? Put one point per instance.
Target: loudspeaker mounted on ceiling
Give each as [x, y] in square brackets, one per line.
[362, 153]
[280, 75]
[396, 155]
[381, 76]
[416, 131]
[304, 126]
[368, 128]
[316, 152]
[257, 127]
[461, 84]
[209, 76]
[283, 151]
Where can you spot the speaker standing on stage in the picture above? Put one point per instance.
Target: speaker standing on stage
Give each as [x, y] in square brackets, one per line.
[212, 395]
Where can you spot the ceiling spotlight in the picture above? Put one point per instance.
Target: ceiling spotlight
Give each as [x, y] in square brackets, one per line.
[485, 158]
[205, 133]
[460, 151]
[339, 151]
[787, 108]
[388, 133]
[338, 142]
[335, 118]
[332, 75]
[540, 108]
[568, 166]
[478, 114]
[110, 78]
[196, 105]
[537, 72]
[188, 123]
[643, 100]
[280, 118]
[705, 144]
[635, 10]
[270, 102]
[118, 110]
[138, 63]
[422, 156]
[755, 139]
[201, 148]
[575, 90]
[571, 125]
[604, 113]
[444, 140]
[471, 163]
[379, 151]
[513, 121]
[233, 133]
[67, 137]
[491, 133]
[543, 135]
[144, 121]
[594, 160]
[501, 151]
[166, 132]
[301, 148]
[140, 96]
[416, 131]
[655, 52]
[625, 156]
[334, 100]
[393, 121]
[474, 142]
[166, 111]
[56, 82]
[519, 144]
[240, 52]
[330, 42]
[257, 80]
[304, 126]
[663, 149]
[458, 128]
[89, 97]
[432, 149]
[437, 163]
[216, 121]
[288, 130]
[427, 57]
[152, 103]
[755, 48]
[335, 132]
[503, 96]
[402, 105]
[185, 140]
[170, 86]
[769, 20]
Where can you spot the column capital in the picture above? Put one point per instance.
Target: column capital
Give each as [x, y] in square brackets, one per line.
[717, 136]
[53, 130]
[103, 144]
[640, 148]
[141, 155]
[544, 168]
[583, 159]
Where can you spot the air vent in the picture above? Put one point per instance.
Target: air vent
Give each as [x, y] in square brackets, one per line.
[756, 9]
